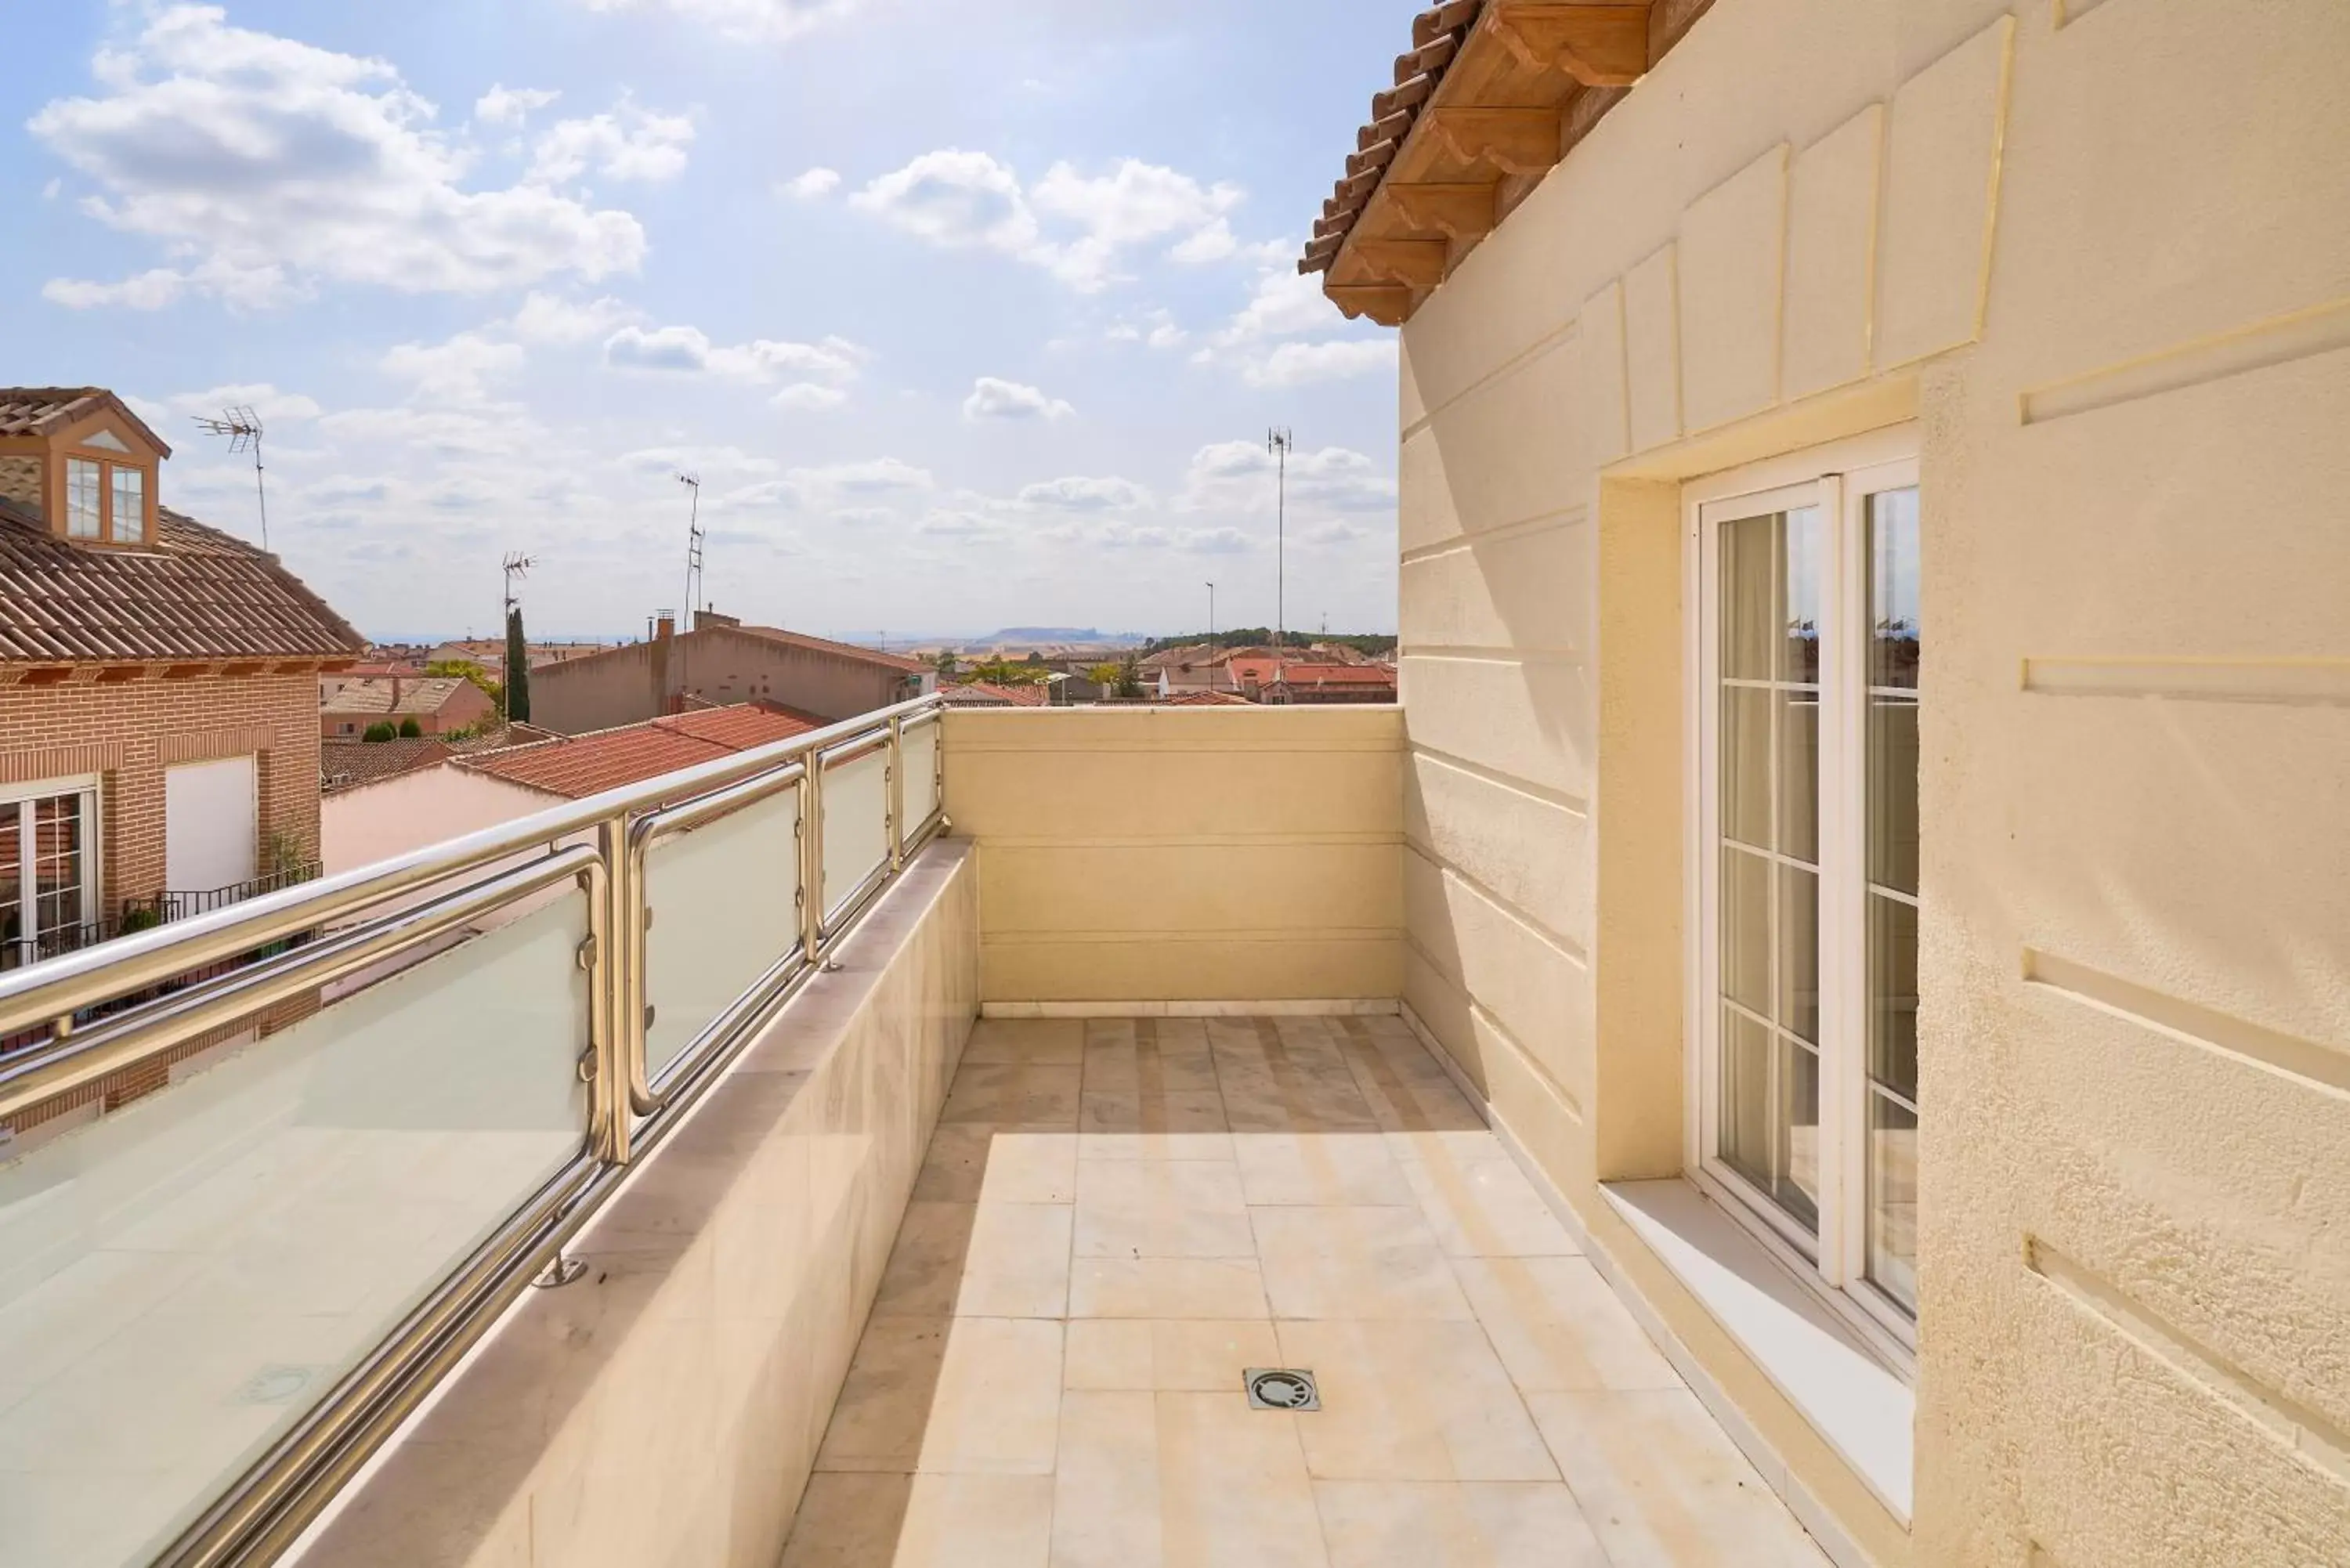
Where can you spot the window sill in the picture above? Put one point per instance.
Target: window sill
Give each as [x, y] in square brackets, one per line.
[1860, 1407]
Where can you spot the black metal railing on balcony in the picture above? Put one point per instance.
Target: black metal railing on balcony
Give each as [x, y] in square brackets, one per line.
[182, 906]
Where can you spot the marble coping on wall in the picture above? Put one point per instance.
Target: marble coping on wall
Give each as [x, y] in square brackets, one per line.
[666, 1406]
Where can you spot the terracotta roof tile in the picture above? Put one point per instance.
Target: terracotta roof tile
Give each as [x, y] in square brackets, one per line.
[577, 766]
[353, 764]
[418, 694]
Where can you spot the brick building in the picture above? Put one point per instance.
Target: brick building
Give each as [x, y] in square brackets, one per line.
[437, 703]
[159, 695]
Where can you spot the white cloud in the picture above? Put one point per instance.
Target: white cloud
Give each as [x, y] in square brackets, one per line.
[1238, 476]
[1081, 494]
[1300, 364]
[548, 319]
[627, 143]
[954, 524]
[265, 400]
[997, 399]
[687, 350]
[1284, 305]
[502, 105]
[458, 370]
[812, 185]
[1082, 229]
[759, 21]
[263, 163]
[885, 474]
[810, 397]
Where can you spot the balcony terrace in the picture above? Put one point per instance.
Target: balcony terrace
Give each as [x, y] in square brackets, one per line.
[831, 1272]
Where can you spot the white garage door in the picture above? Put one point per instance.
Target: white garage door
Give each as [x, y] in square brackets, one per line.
[209, 837]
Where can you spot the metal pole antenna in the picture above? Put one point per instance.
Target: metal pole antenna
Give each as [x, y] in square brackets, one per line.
[693, 550]
[1278, 441]
[1211, 636]
[243, 428]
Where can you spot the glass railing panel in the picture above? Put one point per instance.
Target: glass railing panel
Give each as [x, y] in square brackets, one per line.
[919, 753]
[181, 1280]
[723, 899]
[856, 828]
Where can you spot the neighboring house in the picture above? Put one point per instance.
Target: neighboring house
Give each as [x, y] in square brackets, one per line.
[988, 694]
[1322, 683]
[1199, 666]
[159, 746]
[1876, 595]
[355, 764]
[439, 704]
[405, 808]
[490, 653]
[721, 662]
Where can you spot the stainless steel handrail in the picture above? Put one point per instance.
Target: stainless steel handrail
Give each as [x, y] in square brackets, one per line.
[257, 1518]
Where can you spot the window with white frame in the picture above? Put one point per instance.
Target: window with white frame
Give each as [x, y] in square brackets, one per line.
[48, 869]
[84, 510]
[1804, 643]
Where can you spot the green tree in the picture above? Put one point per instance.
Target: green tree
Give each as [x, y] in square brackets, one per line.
[409, 729]
[1105, 675]
[380, 731]
[466, 669]
[517, 668]
[1129, 677]
[945, 664]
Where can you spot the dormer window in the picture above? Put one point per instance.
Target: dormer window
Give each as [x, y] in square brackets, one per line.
[129, 509]
[83, 518]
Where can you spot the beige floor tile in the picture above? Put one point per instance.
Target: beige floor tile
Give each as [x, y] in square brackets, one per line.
[924, 1273]
[955, 1165]
[1106, 1496]
[1347, 1168]
[848, 1521]
[998, 1405]
[1354, 1263]
[1405, 1086]
[1487, 1209]
[1161, 1208]
[1663, 1486]
[1166, 1288]
[1043, 1041]
[1233, 1487]
[1016, 1097]
[1031, 1168]
[1150, 1066]
[1286, 1075]
[1424, 1401]
[884, 1408]
[1019, 1262]
[1195, 1354]
[1454, 1525]
[977, 1521]
[1126, 1126]
[1558, 1326]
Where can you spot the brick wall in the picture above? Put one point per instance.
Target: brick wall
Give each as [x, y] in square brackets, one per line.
[130, 731]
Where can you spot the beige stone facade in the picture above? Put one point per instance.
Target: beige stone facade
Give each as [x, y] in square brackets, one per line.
[2096, 287]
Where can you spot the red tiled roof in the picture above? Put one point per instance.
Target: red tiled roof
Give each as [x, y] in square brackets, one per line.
[1339, 675]
[43, 410]
[197, 595]
[577, 766]
[351, 764]
[1251, 671]
[988, 694]
[417, 694]
[1205, 700]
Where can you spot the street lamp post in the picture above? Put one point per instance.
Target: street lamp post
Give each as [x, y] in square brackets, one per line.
[1278, 441]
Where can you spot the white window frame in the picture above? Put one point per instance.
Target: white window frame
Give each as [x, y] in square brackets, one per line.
[93, 883]
[1838, 479]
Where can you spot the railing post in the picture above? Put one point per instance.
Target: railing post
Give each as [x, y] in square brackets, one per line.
[896, 794]
[617, 1018]
[812, 860]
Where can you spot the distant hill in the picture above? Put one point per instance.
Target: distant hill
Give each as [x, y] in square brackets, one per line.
[1056, 633]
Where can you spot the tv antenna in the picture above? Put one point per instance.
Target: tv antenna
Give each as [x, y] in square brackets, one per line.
[693, 537]
[243, 428]
[1278, 441]
[517, 567]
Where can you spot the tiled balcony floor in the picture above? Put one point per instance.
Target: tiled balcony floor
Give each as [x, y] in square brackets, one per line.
[1116, 1218]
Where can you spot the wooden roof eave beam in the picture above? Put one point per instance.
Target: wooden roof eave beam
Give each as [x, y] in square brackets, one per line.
[1416, 263]
[1509, 140]
[1389, 304]
[1598, 45]
[1462, 212]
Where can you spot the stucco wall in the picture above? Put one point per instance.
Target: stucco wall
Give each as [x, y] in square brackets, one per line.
[2104, 271]
[1182, 855]
[431, 805]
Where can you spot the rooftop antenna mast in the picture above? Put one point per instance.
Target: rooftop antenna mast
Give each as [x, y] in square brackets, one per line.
[693, 537]
[517, 567]
[1278, 442]
[243, 428]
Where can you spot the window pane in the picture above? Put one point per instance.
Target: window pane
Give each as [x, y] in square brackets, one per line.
[12, 883]
[1799, 595]
[81, 498]
[1798, 1187]
[57, 863]
[1895, 631]
[1893, 1199]
[1746, 1097]
[1749, 615]
[1893, 792]
[1799, 774]
[1746, 929]
[1893, 995]
[1746, 764]
[1799, 952]
[130, 502]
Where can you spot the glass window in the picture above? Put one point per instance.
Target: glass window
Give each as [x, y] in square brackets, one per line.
[130, 498]
[48, 878]
[82, 518]
[1810, 755]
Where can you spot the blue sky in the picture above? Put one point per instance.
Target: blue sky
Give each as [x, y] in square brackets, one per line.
[966, 315]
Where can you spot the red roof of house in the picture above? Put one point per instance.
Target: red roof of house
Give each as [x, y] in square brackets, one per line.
[1251, 670]
[577, 766]
[988, 694]
[1203, 700]
[1339, 675]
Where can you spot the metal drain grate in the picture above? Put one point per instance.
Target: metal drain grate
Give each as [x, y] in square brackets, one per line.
[1281, 1388]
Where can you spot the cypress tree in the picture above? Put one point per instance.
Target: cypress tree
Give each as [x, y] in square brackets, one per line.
[517, 669]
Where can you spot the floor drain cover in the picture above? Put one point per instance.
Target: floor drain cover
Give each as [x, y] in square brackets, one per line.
[1281, 1388]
